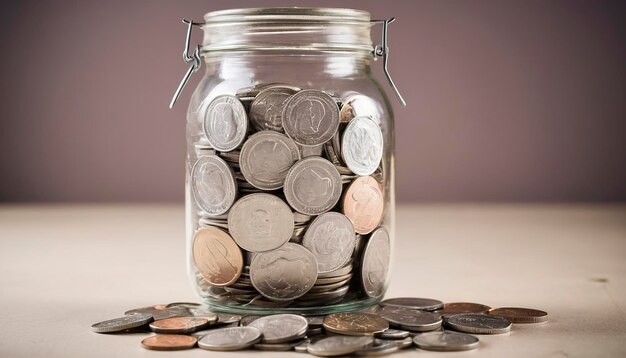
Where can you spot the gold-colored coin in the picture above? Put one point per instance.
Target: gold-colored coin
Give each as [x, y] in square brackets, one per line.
[355, 324]
[520, 315]
[453, 308]
[179, 325]
[363, 204]
[217, 256]
[169, 342]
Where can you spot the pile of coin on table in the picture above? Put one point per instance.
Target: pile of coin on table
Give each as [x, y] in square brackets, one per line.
[395, 324]
[287, 187]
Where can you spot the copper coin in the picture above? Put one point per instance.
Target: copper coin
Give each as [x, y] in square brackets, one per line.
[520, 315]
[450, 309]
[180, 325]
[363, 204]
[355, 324]
[217, 256]
[169, 342]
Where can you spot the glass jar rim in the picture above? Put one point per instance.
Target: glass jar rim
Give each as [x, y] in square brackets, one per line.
[306, 14]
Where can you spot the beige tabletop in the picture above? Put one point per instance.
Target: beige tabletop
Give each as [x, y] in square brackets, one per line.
[65, 267]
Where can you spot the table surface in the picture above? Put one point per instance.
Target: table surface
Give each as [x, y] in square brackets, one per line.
[64, 267]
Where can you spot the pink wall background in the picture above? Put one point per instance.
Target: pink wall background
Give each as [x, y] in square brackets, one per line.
[508, 100]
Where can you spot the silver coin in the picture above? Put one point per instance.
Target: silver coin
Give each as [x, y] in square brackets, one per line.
[375, 263]
[266, 111]
[225, 123]
[410, 319]
[312, 186]
[393, 334]
[246, 320]
[311, 117]
[122, 323]
[339, 272]
[339, 345]
[445, 341]
[424, 304]
[227, 318]
[315, 321]
[285, 273]
[278, 347]
[266, 157]
[230, 339]
[478, 324]
[362, 146]
[384, 347]
[160, 311]
[302, 347]
[355, 105]
[331, 239]
[260, 222]
[332, 280]
[311, 151]
[280, 328]
[213, 184]
[337, 293]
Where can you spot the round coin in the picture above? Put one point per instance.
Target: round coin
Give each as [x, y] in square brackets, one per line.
[356, 105]
[266, 111]
[266, 157]
[450, 309]
[260, 222]
[312, 186]
[362, 146]
[169, 342]
[363, 204]
[413, 320]
[339, 345]
[331, 238]
[122, 323]
[445, 341]
[393, 334]
[213, 184]
[311, 117]
[217, 256]
[520, 315]
[355, 324]
[375, 263]
[384, 347]
[280, 328]
[424, 304]
[225, 123]
[478, 323]
[230, 339]
[180, 325]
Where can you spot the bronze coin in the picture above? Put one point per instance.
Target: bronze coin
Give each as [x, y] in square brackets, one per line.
[217, 256]
[450, 309]
[520, 315]
[169, 342]
[355, 324]
[180, 325]
[363, 204]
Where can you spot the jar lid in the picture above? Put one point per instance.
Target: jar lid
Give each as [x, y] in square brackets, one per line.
[308, 14]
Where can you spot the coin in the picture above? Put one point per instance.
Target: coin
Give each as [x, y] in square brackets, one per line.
[375, 263]
[384, 347]
[311, 117]
[393, 334]
[260, 222]
[312, 186]
[225, 123]
[410, 319]
[362, 146]
[520, 315]
[280, 328]
[425, 304]
[356, 105]
[266, 110]
[213, 184]
[180, 325]
[217, 256]
[363, 204]
[453, 308]
[183, 304]
[285, 273]
[330, 237]
[311, 151]
[339, 345]
[230, 339]
[478, 323]
[266, 157]
[278, 347]
[445, 341]
[122, 323]
[355, 324]
[169, 342]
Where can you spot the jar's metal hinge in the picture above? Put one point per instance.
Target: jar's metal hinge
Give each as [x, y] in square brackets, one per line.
[382, 50]
[194, 60]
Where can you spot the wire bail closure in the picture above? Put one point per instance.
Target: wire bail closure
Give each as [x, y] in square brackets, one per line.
[383, 51]
[194, 59]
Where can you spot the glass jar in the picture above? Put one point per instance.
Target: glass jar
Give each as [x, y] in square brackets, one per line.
[290, 163]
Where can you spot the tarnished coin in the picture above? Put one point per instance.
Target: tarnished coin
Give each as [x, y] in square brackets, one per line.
[266, 157]
[260, 222]
[281, 328]
[356, 105]
[445, 341]
[312, 186]
[424, 304]
[217, 256]
[122, 323]
[384, 347]
[355, 324]
[266, 111]
[363, 204]
[339, 345]
[179, 325]
[230, 339]
[410, 319]
[284, 274]
[331, 239]
[520, 315]
[213, 184]
[375, 263]
[362, 146]
[450, 309]
[393, 334]
[311, 117]
[169, 342]
[225, 123]
[478, 323]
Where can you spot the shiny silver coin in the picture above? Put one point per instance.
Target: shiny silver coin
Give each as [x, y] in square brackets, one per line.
[332, 280]
[260, 222]
[410, 319]
[393, 334]
[311, 117]
[278, 347]
[362, 146]
[339, 345]
[266, 111]
[424, 304]
[339, 272]
[356, 105]
[230, 339]
[331, 238]
[213, 184]
[225, 123]
[266, 158]
[285, 273]
[375, 263]
[280, 328]
[478, 324]
[122, 323]
[312, 186]
[384, 347]
[445, 341]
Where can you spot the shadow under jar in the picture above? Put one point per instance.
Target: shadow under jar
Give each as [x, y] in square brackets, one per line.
[290, 153]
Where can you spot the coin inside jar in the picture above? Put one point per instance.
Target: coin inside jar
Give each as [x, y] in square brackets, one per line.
[355, 105]
[312, 186]
[363, 204]
[331, 238]
[375, 263]
[362, 146]
[225, 123]
[266, 157]
[213, 184]
[311, 117]
[217, 256]
[266, 110]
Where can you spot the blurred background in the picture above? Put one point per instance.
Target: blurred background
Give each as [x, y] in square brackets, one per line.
[508, 101]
